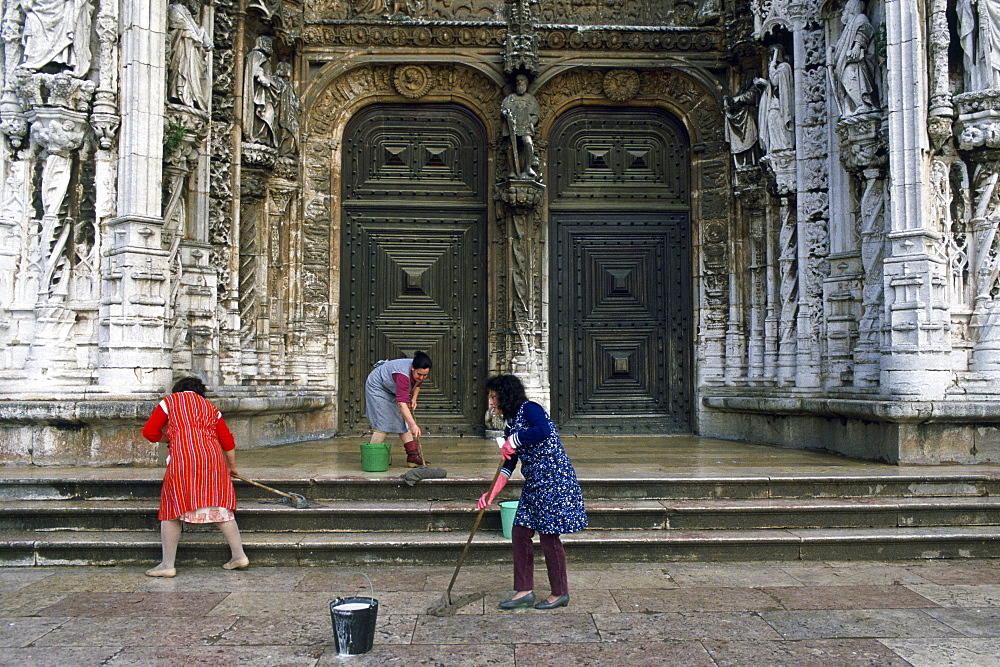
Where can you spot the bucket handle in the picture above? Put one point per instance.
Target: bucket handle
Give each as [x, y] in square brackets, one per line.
[353, 574]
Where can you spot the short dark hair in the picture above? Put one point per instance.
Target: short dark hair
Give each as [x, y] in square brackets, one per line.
[189, 383]
[510, 393]
[421, 360]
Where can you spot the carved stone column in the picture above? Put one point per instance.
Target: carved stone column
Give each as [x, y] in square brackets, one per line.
[134, 350]
[521, 199]
[916, 361]
[978, 127]
[863, 152]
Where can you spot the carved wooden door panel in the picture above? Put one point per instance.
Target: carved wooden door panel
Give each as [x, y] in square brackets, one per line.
[413, 251]
[621, 306]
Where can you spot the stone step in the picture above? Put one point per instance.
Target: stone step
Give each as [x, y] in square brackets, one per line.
[140, 485]
[425, 516]
[29, 548]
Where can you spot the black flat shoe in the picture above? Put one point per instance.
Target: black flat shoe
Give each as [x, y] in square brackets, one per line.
[558, 602]
[525, 601]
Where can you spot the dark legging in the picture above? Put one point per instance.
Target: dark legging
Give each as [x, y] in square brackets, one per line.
[524, 560]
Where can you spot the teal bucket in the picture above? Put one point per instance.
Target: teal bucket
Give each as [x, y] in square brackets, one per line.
[508, 509]
[375, 456]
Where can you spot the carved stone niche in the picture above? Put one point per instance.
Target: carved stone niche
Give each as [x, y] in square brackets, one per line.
[978, 124]
[863, 141]
[520, 194]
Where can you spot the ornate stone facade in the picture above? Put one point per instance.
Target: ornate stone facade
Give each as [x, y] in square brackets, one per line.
[173, 198]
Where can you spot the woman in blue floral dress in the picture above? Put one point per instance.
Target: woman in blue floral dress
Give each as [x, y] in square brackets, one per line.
[551, 500]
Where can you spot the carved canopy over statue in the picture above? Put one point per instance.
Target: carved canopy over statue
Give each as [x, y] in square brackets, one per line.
[57, 32]
[979, 35]
[854, 77]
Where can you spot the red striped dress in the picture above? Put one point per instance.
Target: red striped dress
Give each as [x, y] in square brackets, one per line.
[197, 476]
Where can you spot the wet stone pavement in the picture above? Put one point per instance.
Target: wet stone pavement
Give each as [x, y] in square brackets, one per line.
[936, 612]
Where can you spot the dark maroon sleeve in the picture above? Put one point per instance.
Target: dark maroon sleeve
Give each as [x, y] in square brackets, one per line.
[402, 387]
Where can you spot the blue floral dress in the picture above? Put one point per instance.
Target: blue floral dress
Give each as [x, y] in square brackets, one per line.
[551, 500]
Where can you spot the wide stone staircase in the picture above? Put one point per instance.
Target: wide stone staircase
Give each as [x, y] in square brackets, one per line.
[807, 516]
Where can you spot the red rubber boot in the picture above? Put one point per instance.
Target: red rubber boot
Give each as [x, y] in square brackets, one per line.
[413, 454]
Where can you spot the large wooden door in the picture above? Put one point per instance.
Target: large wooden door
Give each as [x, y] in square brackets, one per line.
[413, 251]
[621, 306]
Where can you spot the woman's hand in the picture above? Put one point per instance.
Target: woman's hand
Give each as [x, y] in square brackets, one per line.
[508, 450]
[484, 501]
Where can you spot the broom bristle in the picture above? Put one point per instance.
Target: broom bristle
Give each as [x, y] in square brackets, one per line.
[445, 608]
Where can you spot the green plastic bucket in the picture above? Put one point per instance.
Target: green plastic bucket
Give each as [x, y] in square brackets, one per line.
[375, 456]
[508, 509]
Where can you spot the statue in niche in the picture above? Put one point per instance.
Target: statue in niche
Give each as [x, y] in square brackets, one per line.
[979, 35]
[776, 116]
[853, 75]
[520, 112]
[57, 32]
[741, 126]
[259, 95]
[289, 110]
[190, 44]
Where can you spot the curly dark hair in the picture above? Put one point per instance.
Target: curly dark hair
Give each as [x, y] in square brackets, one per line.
[510, 393]
[421, 360]
[190, 383]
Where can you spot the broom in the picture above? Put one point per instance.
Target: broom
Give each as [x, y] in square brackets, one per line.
[447, 606]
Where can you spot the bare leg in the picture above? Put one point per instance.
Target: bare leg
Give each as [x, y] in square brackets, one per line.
[231, 532]
[377, 437]
[170, 535]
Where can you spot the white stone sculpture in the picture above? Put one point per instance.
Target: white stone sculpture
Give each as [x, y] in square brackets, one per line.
[190, 46]
[259, 90]
[854, 78]
[979, 35]
[57, 31]
[57, 139]
[520, 113]
[776, 116]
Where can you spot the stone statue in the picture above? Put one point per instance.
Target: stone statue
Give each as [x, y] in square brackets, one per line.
[979, 35]
[259, 93]
[289, 111]
[190, 44]
[57, 31]
[741, 126]
[520, 113]
[776, 116]
[57, 140]
[854, 78]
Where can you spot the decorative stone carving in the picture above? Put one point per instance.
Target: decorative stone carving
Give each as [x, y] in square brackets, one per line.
[621, 85]
[57, 31]
[412, 81]
[520, 112]
[853, 75]
[190, 47]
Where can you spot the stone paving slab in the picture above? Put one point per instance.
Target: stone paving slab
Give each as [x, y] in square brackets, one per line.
[823, 614]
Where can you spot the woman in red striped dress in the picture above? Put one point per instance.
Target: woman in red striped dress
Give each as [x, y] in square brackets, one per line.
[197, 486]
